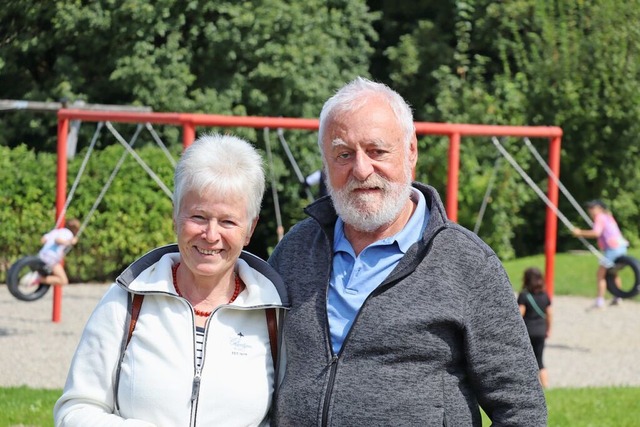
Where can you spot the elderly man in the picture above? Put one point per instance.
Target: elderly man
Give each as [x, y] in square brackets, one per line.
[399, 316]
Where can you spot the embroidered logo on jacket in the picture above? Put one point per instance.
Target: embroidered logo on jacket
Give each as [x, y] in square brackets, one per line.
[238, 345]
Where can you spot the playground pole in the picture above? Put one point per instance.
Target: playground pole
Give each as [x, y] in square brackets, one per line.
[61, 194]
[551, 227]
[452, 176]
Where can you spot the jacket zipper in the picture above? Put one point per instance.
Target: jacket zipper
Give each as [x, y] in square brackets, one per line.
[195, 390]
[195, 385]
[333, 365]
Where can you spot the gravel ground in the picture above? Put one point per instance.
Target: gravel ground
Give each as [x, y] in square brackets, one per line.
[586, 348]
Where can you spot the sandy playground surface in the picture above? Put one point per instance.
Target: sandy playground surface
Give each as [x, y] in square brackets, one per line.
[586, 348]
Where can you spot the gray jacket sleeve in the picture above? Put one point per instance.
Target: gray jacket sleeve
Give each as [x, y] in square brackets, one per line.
[501, 361]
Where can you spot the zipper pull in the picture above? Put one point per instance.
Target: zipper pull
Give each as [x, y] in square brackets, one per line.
[333, 361]
[195, 388]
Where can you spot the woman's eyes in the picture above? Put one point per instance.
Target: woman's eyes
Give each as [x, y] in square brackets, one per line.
[225, 222]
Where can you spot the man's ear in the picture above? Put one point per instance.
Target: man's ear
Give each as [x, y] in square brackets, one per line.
[413, 152]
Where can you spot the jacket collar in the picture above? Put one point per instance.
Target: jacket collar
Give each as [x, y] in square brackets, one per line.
[152, 273]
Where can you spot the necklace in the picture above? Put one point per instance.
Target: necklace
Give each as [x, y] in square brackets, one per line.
[201, 313]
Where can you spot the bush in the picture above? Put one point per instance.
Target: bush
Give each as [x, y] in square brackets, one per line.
[133, 217]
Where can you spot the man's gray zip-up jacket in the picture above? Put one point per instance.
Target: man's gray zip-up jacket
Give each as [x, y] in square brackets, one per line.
[439, 337]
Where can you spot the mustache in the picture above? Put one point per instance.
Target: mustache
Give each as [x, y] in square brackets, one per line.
[373, 181]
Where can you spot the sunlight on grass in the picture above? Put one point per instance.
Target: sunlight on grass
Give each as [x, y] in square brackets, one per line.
[22, 406]
[575, 272]
[568, 407]
[591, 407]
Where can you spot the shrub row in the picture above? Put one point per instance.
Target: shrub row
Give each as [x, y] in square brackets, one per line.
[133, 216]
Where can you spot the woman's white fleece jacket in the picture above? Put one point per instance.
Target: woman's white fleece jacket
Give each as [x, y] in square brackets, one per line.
[158, 382]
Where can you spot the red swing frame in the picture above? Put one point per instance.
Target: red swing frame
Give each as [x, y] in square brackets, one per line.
[453, 131]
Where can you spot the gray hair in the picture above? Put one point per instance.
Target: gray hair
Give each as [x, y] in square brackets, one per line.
[355, 94]
[223, 164]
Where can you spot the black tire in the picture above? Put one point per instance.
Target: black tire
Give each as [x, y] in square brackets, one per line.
[630, 288]
[20, 268]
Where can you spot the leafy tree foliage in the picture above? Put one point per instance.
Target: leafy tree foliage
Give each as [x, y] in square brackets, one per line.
[523, 62]
[529, 62]
[258, 57]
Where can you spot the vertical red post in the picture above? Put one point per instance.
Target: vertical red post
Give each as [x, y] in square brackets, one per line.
[188, 134]
[61, 195]
[551, 228]
[452, 176]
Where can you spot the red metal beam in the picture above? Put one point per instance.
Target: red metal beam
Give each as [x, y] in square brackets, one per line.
[213, 120]
[454, 131]
[487, 130]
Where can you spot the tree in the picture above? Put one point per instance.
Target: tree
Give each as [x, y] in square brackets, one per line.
[258, 57]
[528, 62]
[262, 57]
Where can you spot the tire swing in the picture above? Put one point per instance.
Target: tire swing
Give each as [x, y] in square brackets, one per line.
[624, 267]
[619, 273]
[31, 264]
[21, 275]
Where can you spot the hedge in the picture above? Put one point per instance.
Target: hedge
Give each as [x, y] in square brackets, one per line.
[133, 217]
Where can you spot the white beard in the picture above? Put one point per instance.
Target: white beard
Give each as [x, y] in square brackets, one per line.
[369, 212]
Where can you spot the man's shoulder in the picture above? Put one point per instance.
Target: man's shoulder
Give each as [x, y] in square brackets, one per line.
[461, 238]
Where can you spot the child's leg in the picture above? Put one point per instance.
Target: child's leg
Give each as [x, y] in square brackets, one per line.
[57, 277]
[602, 282]
[544, 379]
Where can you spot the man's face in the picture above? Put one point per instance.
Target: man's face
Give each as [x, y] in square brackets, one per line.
[368, 165]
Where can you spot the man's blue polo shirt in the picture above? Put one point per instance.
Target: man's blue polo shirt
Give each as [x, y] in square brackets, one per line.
[354, 278]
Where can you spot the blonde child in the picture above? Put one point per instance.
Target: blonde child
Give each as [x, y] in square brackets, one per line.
[54, 248]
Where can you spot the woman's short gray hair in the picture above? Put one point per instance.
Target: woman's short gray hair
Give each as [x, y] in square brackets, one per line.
[355, 94]
[223, 164]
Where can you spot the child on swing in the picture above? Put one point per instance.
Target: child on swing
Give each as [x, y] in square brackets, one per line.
[535, 307]
[54, 248]
[610, 241]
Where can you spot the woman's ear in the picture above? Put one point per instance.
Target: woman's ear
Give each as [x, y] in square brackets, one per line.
[252, 228]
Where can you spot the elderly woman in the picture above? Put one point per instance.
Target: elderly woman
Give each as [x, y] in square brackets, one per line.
[202, 349]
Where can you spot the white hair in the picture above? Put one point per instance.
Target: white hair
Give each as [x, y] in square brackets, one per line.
[355, 95]
[223, 164]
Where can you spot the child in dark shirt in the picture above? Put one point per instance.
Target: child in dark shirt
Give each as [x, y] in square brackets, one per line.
[535, 307]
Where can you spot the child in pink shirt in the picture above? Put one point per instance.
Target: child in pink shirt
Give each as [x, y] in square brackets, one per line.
[610, 241]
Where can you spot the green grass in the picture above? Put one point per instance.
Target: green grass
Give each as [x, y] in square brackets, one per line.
[574, 275]
[22, 406]
[570, 407]
[591, 407]
[601, 407]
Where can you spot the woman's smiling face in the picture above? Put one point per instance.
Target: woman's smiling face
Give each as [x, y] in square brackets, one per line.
[211, 231]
